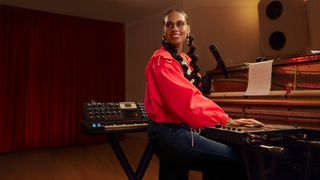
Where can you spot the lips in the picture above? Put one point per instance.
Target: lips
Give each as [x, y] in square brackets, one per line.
[175, 35]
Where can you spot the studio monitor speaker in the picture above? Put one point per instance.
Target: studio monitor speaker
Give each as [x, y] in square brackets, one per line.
[283, 27]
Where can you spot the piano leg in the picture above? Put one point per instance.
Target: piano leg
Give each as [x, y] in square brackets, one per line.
[144, 161]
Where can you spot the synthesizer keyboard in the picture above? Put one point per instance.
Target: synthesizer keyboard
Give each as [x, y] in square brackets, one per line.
[245, 135]
[108, 117]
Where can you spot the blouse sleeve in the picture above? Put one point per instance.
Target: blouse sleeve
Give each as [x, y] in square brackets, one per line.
[183, 99]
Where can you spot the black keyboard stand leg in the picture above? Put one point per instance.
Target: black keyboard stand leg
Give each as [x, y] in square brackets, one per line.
[113, 140]
[144, 162]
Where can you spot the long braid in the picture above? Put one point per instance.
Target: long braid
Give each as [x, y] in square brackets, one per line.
[194, 74]
[194, 58]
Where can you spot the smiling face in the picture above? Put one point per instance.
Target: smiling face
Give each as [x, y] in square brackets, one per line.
[176, 28]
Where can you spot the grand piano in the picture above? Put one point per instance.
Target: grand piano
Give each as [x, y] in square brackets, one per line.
[294, 98]
[288, 147]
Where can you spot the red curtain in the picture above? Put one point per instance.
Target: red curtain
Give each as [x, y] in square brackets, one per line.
[49, 66]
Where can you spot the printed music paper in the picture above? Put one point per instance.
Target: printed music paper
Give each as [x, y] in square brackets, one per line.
[259, 78]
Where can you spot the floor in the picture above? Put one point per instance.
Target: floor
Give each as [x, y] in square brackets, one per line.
[95, 161]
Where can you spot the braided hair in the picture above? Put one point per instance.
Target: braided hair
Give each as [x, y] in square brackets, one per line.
[193, 77]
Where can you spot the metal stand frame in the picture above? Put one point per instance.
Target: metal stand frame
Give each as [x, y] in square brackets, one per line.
[144, 161]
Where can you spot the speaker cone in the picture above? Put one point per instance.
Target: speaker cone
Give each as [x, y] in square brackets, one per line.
[274, 10]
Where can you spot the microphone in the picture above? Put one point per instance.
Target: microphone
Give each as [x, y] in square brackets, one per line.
[215, 53]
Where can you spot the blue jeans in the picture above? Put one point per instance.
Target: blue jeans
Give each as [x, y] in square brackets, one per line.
[179, 150]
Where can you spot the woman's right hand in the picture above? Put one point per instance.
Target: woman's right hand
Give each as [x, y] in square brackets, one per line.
[244, 122]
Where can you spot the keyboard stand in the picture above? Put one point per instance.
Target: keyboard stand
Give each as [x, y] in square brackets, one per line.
[144, 161]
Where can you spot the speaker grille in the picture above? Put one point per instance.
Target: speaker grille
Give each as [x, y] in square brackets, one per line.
[274, 10]
[277, 40]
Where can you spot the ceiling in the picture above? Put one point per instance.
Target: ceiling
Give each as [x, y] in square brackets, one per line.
[109, 10]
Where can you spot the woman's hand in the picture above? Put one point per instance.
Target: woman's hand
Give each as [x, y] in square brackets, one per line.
[244, 122]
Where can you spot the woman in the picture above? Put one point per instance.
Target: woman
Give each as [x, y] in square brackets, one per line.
[176, 108]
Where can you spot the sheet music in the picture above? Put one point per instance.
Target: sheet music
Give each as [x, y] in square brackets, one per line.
[259, 79]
